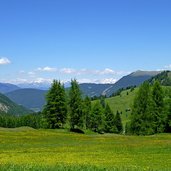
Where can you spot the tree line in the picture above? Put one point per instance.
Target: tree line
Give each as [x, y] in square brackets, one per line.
[151, 111]
[11, 121]
[75, 112]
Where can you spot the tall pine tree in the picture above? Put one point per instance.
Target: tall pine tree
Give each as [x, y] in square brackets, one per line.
[168, 117]
[55, 111]
[110, 126]
[118, 123]
[87, 112]
[142, 118]
[158, 107]
[75, 103]
[97, 117]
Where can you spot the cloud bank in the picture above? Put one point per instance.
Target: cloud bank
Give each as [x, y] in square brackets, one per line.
[4, 61]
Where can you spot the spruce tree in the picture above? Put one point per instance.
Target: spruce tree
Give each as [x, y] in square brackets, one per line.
[102, 101]
[110, 126]
[97, 118]
[118, 123]
[55, 111]
[168, 118]
[158, 107]
[87, 112]
[142, 118]
[75, 103]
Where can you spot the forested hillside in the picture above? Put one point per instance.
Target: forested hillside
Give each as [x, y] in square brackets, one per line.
[8, 106]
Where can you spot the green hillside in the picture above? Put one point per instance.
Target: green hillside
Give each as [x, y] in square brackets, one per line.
[8, 106]
[123, 103]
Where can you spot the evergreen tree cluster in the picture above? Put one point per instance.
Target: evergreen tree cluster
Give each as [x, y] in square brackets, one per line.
[78, 113]
[151, 111]
[11, 121]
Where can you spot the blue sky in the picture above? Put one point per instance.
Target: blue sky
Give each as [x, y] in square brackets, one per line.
[91, 40]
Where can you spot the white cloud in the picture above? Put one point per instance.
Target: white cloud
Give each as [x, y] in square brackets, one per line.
[30, 81]
[18, 81]
[46, 69]
[32, 74]
[4, 61]
[42, 80]
[107, 71]
[68, 71]
[101, 81]
[168, 66]
[107, 81]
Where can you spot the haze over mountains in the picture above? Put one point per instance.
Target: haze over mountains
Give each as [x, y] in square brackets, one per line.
[33, 96]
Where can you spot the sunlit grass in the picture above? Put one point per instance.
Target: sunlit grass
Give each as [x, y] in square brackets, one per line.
[29, 149]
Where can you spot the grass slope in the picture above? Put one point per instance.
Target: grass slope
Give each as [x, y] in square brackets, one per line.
[122, 103]
[29, 149]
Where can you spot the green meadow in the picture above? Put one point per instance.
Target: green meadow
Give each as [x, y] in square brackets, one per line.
[29, 149]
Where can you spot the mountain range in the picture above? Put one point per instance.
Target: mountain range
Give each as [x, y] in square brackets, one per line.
[34, 99]
[6, 87]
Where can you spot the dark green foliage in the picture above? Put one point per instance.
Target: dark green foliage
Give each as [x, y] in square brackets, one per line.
[11, 121]
[32, 120]
[102, 101]
[55, 111]
[158, 107]
[150, 110]
[142, 119]
[128, 128]
[97, 118]
[118, 123]
[168, 117]
[87, 112]
[164, 78]
[75, 103]
[110, 126]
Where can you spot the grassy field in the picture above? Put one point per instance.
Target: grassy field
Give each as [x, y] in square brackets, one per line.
[29, 149]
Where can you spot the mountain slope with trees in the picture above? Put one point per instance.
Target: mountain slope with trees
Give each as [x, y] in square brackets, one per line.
[164, 78]
[8, 106]
[33, 99]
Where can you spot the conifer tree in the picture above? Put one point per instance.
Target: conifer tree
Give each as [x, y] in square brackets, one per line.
[168, 117]
[97, 118]
[87, 112]
[142, 118]
[55, 111]
[75, 103]
[158, 107]
[118, 122]
[102, 101]
[110, 126]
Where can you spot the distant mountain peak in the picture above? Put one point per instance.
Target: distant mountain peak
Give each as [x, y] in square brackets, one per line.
[143, 73]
